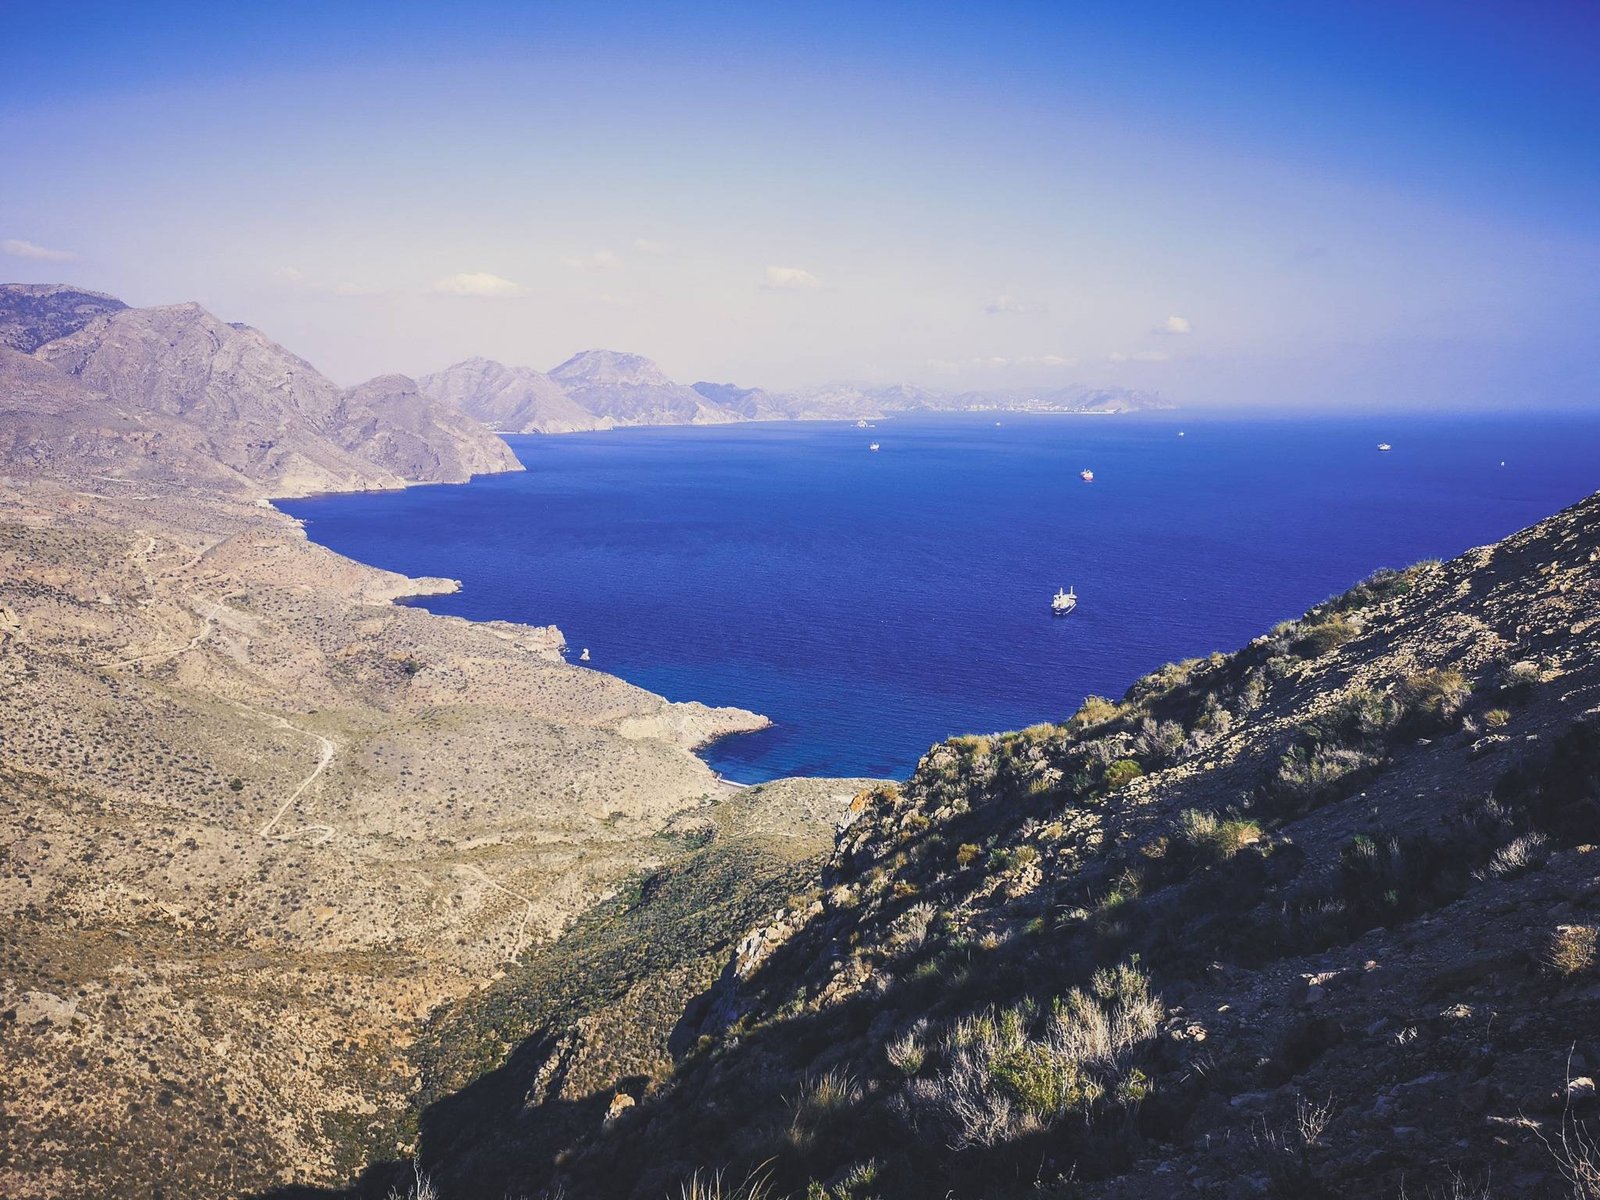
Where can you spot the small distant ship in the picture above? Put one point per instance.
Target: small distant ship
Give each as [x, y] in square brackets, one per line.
[1086, 475]
[874, 446]
[1063, 602]
[861, 424]
[584, 657]
[1385, 446]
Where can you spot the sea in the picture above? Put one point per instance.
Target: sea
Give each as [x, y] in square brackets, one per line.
[873, 603]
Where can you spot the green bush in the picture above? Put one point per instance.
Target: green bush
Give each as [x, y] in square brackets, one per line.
[1208, 838]
[1317, 640]
[1121, 773]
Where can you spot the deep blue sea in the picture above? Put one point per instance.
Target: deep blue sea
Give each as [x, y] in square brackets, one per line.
[874, 603]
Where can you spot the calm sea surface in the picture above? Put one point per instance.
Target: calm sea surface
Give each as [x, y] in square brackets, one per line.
[872, 604]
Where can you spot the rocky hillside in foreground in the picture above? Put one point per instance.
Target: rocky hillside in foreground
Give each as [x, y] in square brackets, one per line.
[1315, 918]
[175, 393]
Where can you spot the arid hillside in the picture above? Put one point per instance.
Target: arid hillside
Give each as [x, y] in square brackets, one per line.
[258, 822]
[1314, 918]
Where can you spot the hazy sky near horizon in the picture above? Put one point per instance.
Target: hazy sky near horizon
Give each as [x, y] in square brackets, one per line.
[1348, 203]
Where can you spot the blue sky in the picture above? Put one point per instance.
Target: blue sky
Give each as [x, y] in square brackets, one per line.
[1344, 204]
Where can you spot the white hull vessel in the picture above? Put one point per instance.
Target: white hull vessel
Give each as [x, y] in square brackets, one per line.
[1063, 602]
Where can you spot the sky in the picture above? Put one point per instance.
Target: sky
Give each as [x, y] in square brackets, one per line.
[1355, 204]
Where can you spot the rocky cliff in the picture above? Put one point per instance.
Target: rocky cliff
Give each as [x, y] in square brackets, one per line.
[231, 395]
[510, 399]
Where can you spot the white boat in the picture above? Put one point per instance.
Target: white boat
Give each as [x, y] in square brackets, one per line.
[1063, 602]
[1086, 475]
[861, 424]
[874, 446]
[1385, 446]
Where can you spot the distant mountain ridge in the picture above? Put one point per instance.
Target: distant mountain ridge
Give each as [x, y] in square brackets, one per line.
[598, 389]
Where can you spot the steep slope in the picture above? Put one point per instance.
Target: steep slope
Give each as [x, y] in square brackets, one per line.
[632, 390]
[509, 399]
[387, 421]
[256, 822]
[32, 314]
[248, 404]
[51, 425]
[752, 404]
[1315, 918]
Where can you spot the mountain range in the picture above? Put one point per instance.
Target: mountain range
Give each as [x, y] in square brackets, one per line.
[600, 389]
[173, 392]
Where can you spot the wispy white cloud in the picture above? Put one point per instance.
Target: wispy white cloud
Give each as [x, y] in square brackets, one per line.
[790, 279]
[1174, 325]
[1047, 360]
[17, 248]
[600, 260]
[648, 248]
[1010, 306]
[1143, 356]
[478, 283]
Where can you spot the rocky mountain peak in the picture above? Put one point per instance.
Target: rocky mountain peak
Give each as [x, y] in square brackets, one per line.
[599, 368]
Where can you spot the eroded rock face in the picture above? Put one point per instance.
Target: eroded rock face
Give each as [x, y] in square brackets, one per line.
[510, 399]
[183, 387]
[389, 422]
[632, 390]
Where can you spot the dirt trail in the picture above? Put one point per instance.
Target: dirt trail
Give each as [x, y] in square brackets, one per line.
[520, 942]
[208, 622]
[326, 749]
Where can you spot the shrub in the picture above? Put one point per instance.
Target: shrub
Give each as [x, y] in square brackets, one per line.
[1571, 950]
[1317, 640]
[823, 1105]
[1121, 773]
[1161, 742]
[1517, 681]
[1007, 1073]
[714, 1187]
[1095, 710]
[1307, 778]
[910, 928]
[1208, 838]
[1432, 698]
[1516, 856]
[966, 855]
[1496, 718]
[906, 1053]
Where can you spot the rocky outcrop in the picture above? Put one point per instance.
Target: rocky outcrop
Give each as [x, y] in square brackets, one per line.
[192, 399]
[632, 390]
[32, 314]
[510, 399]
[389, 423]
